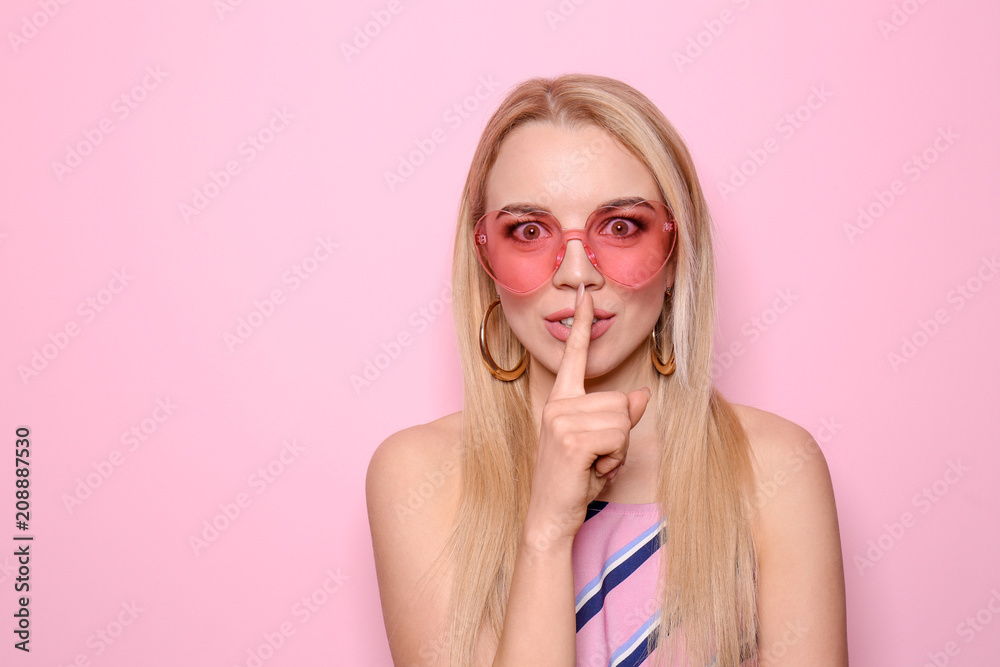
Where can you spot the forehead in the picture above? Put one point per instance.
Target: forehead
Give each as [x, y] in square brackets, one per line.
[567, 171]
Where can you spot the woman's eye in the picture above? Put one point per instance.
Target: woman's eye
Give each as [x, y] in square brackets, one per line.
[528, 231]
[621, 227]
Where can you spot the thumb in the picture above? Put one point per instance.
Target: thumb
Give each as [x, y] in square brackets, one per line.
[637, 402]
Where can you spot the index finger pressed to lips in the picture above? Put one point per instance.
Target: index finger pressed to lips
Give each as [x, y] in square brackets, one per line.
[572, 368]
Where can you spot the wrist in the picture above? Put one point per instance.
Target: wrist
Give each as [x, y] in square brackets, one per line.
[549, 534]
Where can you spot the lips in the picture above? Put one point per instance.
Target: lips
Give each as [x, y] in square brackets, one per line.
[603, 321]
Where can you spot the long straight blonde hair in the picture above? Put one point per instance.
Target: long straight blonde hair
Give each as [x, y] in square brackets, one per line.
[708, 586]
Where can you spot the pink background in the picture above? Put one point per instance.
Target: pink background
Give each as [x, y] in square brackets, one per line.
[328, 128]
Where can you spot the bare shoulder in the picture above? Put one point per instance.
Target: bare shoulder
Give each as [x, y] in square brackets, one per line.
[413, 477]
[414, 452]
[793, 484]
[412, 489]
[801, 602]
[774, 440]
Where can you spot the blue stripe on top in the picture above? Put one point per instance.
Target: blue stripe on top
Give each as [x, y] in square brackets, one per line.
[616, 569]
[635, 651]
[594, 508]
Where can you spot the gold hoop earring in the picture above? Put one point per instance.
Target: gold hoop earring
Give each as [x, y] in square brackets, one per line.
[668, 367]
[496, 371]
[663, 368]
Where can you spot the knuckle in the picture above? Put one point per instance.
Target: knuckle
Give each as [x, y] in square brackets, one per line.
[559, 422]
[555, 417]
[569, 444]
[571, 441]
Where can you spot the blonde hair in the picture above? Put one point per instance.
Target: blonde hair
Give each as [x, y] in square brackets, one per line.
[708, 582]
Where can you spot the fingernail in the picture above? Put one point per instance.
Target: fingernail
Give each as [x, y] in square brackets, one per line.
[612, 475]
[649, 392]
[579, 294]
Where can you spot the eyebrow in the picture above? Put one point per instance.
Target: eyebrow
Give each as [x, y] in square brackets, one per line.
[520, 208]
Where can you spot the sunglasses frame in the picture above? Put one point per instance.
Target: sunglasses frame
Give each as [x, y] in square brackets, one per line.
[581, 233]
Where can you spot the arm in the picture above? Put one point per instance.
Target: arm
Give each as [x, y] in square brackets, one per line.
[406, 537]
[540, 624]
[801, 601]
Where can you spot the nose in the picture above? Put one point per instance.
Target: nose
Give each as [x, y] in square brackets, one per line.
[576, 268]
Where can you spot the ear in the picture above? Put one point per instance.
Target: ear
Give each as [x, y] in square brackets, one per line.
[669, 275]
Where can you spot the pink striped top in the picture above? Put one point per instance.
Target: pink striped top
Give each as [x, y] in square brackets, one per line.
[615, 573]
[616, 567]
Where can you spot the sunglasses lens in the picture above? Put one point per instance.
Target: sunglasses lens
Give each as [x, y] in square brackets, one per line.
[519, 252]
[630, 244]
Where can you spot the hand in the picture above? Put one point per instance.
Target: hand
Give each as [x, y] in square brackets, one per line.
[584, 437]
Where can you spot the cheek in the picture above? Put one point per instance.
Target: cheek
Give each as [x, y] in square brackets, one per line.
[651, 295]
[645, 305]
[652, 310]
[518, 312]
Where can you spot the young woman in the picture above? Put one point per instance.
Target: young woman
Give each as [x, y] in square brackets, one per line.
[597, 502]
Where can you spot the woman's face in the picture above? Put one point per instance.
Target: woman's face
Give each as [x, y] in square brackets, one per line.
[570, 173]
